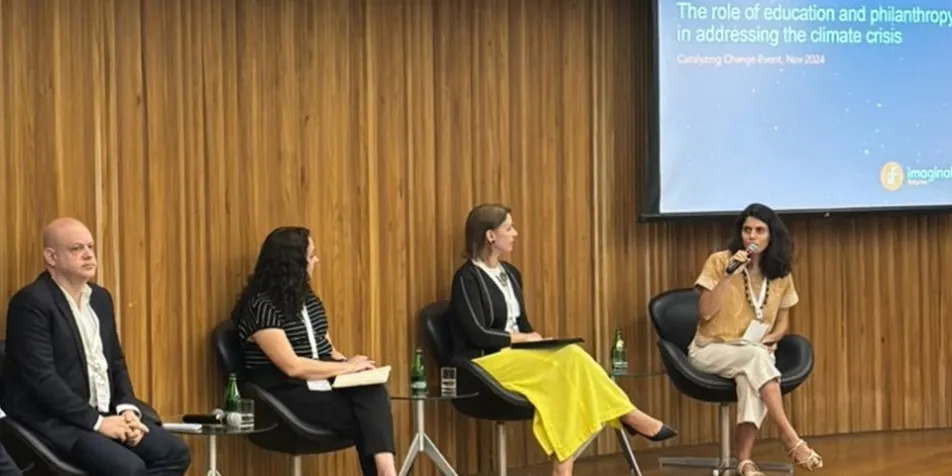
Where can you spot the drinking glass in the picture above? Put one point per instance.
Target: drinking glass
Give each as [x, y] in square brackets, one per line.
[246, 413]
[448, 381]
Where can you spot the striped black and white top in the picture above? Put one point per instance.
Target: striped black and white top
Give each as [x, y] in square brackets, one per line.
[261, 313]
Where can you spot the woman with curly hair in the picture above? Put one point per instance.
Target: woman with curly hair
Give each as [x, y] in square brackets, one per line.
[287, 349]
[746, 293]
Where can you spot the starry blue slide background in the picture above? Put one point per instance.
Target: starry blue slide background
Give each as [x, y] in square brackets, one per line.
[806, 136]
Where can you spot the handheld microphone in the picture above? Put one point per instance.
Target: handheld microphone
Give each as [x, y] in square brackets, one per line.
[216, 417]
[212, 419]
[734, 264]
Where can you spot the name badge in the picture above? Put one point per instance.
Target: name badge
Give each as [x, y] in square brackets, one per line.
[755, 331]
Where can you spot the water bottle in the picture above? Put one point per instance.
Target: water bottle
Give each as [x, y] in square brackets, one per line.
[232, 397]
[619, 356]
[418, 375]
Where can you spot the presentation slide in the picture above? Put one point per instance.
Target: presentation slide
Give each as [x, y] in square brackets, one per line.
[804, 104]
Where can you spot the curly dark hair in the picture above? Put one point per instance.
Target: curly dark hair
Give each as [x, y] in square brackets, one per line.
[280, 273]
[777, 260]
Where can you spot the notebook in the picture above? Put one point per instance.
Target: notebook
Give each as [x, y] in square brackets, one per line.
[548, 343]
[375, 376]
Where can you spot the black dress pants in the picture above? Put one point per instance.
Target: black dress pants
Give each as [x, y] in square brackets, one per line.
[159, 453]
[360, 413]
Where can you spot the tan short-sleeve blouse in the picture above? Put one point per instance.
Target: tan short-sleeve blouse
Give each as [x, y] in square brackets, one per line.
[736, 312]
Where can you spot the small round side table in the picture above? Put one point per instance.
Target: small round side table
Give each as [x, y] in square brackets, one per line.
[421, 441]
[213, 432]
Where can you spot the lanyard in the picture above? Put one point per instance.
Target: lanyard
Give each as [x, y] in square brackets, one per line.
[310, 331]
[758, 302]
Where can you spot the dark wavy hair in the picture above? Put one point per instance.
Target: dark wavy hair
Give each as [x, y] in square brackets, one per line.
[482, 218]
[280, 273]
[777, 260]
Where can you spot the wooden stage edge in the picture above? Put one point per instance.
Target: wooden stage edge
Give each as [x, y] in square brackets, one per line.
[907, 453]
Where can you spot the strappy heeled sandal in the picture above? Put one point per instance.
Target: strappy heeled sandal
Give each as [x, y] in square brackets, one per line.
[811, 462]
[749, 468]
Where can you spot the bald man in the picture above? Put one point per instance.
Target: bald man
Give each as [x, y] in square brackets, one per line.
[65, 376]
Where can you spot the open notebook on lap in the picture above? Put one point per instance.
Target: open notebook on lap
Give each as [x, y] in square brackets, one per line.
[375, 376]
[548, 343]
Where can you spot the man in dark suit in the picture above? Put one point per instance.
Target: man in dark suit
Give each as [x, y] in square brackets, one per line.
[65, 375]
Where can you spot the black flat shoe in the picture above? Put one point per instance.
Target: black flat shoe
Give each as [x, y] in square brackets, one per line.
[666, 432]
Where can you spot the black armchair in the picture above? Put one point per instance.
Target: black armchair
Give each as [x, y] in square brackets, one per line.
[29, 451]
[291, 435]
[493, 402]
[675, 315]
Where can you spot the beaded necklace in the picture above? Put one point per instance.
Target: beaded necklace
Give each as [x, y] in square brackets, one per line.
[750, 298]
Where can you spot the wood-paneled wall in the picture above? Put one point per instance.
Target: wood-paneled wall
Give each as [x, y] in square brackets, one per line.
[183, 131]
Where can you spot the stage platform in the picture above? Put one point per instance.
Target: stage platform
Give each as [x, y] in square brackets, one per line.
[906, 453]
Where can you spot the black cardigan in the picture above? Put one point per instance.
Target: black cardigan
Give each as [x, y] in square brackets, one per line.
[478, 311]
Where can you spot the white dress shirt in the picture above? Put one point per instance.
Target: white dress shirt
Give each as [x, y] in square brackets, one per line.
[97, 367]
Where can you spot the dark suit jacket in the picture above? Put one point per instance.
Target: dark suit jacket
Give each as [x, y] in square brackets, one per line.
[478, 311]
[45, 381]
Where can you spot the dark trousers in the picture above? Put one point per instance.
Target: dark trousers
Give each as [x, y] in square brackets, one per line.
[159, 453]
[360, 413]
[7, 466]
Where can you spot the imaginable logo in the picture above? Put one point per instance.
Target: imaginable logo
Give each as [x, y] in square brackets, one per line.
[891, 176]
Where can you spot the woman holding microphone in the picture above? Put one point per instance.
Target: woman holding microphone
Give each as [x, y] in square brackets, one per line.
[746, 293]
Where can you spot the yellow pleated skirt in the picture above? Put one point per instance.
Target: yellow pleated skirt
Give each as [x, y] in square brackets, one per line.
[573, 396]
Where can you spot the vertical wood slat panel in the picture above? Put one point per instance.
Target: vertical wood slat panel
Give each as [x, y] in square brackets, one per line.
[182, 132]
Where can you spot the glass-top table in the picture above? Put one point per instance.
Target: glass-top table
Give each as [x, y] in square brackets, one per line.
[213, 431]
[634, 373]
[421, 441]
[433, 397]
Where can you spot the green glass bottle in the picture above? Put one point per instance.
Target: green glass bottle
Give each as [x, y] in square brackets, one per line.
[418, 375]
[619, 356]
[231, 394]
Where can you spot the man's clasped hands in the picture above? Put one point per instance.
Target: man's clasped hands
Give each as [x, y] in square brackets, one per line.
[125, 428]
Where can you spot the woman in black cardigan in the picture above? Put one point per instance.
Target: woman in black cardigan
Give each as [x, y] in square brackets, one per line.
[573, 396]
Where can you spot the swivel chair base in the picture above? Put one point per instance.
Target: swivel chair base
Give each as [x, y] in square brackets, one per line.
[724, 464]
[501, 461]
[627, 452]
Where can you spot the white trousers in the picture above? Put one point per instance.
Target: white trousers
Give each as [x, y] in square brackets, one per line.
[751, 366]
